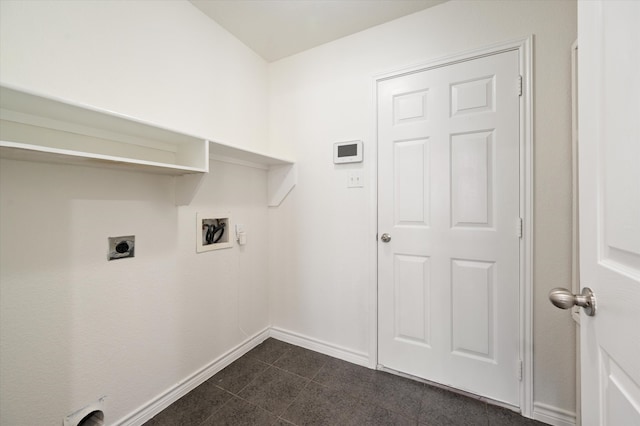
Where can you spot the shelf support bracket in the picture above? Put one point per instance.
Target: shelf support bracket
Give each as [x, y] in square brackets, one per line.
[280, 181]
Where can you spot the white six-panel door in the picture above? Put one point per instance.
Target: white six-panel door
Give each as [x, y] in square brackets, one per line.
[448, 183]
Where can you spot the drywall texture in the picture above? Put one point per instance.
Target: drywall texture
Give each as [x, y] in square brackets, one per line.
[73, 326]
[161, 61]
[323, 271]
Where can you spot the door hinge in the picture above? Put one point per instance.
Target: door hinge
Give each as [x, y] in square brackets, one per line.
[520, 370]
[520, 85]
[520, 230]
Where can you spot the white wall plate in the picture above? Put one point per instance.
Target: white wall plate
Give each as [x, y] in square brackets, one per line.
[213, 231]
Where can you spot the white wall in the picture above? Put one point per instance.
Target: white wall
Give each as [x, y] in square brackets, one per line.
[73, 326]
[321, 271]
[161, 61]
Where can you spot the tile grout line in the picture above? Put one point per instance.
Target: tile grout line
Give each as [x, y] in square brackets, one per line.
[254, 379]
[292, 402]
[237, 395]
[284, 370]
[309, 381]
[362, 399]
[269, 365]
[241, 399]
[241, 389]
[219, 408]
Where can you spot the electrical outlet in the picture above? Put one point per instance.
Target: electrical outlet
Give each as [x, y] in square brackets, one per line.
[355, 179]
[122, 247]
[241, 235]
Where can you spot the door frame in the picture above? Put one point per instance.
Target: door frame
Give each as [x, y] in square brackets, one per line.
[524, 46]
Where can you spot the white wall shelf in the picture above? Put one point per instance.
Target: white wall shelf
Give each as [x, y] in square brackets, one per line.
[231, 154]
[40, 128]
[281, 173]
[45, 129]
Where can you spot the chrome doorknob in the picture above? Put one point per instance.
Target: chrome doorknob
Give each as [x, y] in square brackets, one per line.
[385, 238]
[564, 299]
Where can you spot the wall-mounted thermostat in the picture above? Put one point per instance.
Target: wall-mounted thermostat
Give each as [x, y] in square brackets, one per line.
[347, 152]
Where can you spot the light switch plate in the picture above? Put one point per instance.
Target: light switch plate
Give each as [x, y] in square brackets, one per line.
[355, 179]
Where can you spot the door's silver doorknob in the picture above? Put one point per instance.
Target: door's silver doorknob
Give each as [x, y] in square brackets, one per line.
[385, 238]
[564, 299]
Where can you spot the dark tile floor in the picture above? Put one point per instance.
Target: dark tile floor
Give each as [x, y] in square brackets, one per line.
[280, 384]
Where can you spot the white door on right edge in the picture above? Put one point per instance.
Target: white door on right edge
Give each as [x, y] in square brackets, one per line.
[448, 200]
[609, 169]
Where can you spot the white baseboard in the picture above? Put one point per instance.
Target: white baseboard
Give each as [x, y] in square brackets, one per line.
[310, 343]
[155, 406]
[542, 412]
[545, 413]
[553, 415]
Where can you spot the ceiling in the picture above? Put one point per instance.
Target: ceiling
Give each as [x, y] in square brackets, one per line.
[279, 28]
